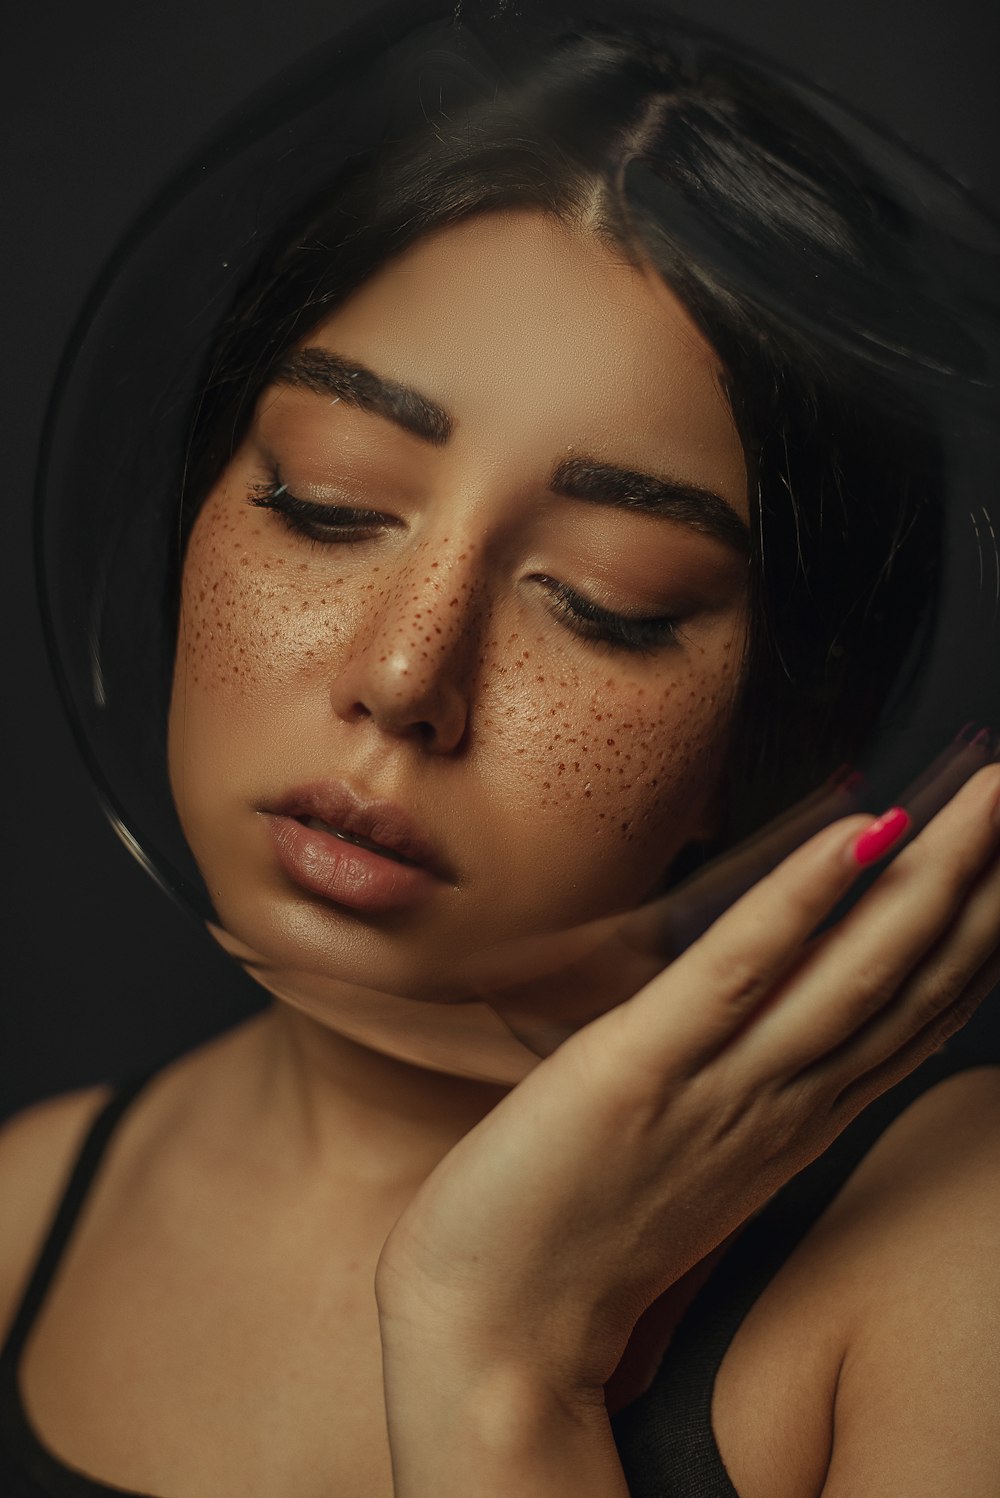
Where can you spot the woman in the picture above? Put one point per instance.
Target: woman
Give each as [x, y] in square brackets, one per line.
[481, 640]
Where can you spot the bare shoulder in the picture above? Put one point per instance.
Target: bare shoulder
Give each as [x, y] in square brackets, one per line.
[919, 1381]
[871, 1363]
[37, 1148]
[937, 1165]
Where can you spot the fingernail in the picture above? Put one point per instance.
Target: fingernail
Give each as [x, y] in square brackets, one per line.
[880, 836]
[965, 735]
[852, 785]
[982, 739]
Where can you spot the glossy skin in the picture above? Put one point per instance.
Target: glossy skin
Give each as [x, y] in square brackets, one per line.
[427, 662]
[290, 1223]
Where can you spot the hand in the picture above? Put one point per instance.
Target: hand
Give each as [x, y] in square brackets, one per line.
[651, 1134]
[546, 988]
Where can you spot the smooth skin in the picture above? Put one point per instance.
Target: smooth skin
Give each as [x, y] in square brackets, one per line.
[312, 1265]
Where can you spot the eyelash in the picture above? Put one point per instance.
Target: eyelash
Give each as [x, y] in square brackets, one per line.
[640, 636]
[309, 519]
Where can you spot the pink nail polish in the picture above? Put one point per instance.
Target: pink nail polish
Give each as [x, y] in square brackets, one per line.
[880, 836]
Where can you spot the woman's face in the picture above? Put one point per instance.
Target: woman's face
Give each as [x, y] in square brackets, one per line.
[439, 638]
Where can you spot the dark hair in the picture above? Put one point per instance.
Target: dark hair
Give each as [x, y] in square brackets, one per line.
[789, 255]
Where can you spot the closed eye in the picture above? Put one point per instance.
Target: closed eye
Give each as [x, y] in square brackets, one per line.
[642, 635]
[324, 523]
[329, 524]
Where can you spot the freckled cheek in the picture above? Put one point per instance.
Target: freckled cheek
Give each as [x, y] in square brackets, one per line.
[251, 618]
[629, 753]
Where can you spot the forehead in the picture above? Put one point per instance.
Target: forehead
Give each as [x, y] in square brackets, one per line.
[538, 338]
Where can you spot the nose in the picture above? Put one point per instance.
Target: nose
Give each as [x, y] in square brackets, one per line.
[411, 665]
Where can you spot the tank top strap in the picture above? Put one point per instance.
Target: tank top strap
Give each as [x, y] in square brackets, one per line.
[665, 1438]
[77, 1185]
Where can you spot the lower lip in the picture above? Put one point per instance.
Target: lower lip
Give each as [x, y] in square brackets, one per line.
[341, 871]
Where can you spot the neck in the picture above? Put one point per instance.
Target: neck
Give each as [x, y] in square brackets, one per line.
[329, 1098]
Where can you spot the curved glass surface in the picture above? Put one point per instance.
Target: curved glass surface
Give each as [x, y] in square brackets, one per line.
[842, 290]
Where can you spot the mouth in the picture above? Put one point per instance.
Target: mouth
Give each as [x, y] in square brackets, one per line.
[335, 809]
[358, 841]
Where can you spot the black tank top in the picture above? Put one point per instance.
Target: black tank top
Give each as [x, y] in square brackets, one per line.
[664, 1438]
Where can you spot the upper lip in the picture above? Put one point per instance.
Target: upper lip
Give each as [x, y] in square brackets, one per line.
[348, 810]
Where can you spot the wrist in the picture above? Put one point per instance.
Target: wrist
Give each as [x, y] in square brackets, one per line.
[449, 1415]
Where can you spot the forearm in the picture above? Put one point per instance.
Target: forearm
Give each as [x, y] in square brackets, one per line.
[454, 1430]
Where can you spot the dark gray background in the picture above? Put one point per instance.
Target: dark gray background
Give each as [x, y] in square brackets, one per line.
[101, 974]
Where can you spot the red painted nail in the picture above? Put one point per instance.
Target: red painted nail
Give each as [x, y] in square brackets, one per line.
[880, 836]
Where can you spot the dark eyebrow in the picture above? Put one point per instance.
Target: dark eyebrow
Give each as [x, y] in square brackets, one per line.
[669, 499]
[326, 373]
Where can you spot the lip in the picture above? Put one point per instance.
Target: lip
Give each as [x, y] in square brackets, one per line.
[344, 872]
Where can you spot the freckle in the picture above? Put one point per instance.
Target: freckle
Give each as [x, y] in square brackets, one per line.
[434, 564]
[587, 794]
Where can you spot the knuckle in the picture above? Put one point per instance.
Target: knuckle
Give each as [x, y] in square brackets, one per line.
[877, 989]
[941, 991]
[740, 980]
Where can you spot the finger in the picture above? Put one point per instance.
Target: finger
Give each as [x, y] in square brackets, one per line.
[705, 998]
[859, 967]
[667, 926]
[944, 778]
[862, 1090]
[941, 994]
